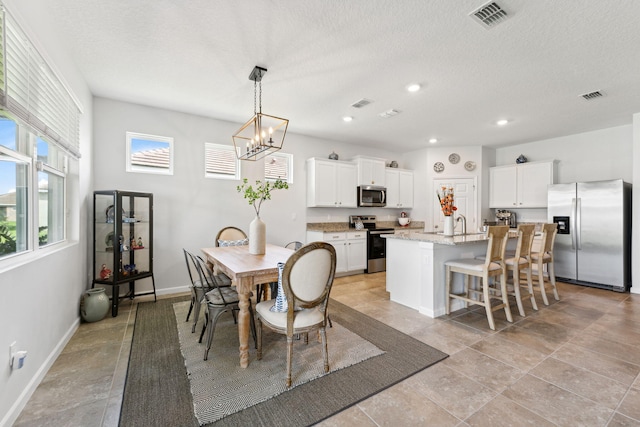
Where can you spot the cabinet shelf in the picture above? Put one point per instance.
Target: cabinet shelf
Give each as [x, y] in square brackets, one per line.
[121, 220]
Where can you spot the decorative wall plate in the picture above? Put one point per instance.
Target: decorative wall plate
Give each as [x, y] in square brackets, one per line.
[438, 166]
[470, 165]
[454, 158]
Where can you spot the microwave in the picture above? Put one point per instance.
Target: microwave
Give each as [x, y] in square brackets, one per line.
[372, 195]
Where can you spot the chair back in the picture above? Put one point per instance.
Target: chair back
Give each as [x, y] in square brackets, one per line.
[526, 233]
[308, 276]
[230, 233]
[498, 235]
[191, 267]
[206, 276]
[295, 245]
[548, 238]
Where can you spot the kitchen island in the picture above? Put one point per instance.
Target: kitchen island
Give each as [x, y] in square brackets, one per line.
[416, 271]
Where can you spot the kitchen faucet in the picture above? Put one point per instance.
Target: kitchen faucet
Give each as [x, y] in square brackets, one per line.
[464, 223]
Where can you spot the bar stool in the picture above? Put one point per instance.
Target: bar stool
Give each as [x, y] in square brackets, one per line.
[521, 262]
[493, 265]
[545, 257]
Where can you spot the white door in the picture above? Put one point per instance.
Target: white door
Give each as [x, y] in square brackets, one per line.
[464, 198]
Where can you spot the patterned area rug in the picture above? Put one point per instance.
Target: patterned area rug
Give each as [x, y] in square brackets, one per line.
[220, 387]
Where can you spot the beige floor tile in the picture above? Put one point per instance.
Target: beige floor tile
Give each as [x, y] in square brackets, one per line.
[603, 345]
[502, 412]
[582, 382]
[400, 402]
[619, 420]
[630, 405]
[351, 417]
[509, 352]
[556, 404]
[485, 370]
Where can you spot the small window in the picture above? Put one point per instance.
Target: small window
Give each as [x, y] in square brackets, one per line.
[221, 161]
[279, 166]
[149, 153]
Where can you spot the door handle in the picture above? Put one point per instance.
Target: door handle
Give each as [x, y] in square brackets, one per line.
[577, 221]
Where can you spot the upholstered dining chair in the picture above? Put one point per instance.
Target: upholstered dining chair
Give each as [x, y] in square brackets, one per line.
[492, 266]
[306, 280]
[219, 300]
[228, 236]
[544, 257]
[520, 262]
[198, 288]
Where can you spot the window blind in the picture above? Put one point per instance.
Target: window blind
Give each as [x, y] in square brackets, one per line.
[32, 92]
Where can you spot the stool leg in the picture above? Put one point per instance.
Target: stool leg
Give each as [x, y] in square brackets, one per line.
[552, 279]
[487, 302]
[516, 289]
[448, 290]
[505, 297]
[534, 304]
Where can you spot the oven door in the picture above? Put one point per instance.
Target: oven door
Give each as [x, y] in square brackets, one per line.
[377, 251]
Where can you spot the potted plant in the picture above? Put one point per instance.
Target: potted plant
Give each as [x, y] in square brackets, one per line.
[255, 196]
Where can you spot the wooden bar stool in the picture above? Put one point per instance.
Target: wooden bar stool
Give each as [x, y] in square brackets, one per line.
[493, 265]
[545, 257]
[521, 262]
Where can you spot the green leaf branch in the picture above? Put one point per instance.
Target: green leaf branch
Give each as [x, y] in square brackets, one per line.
[261, 192]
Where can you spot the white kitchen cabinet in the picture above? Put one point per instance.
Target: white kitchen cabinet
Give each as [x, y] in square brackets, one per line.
[371, 171]
[520, 186]
[399, 188]
[331, 183]
[351, 248]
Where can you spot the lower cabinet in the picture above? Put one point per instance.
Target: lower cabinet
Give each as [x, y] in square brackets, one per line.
[351, 248]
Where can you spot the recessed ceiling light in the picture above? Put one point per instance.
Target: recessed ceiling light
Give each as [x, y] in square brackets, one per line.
[347, 118]
[502, 122]
[433, 140]
[413, 87]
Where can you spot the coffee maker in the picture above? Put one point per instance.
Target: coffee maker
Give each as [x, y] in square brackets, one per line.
[505, 217]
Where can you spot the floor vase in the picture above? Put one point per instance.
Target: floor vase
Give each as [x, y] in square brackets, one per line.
[448, 225]
[257, 237]
[94, 305]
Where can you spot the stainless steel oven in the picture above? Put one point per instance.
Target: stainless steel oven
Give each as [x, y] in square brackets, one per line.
[376, 244]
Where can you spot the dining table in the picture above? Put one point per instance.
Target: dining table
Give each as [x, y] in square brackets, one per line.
[246, 271]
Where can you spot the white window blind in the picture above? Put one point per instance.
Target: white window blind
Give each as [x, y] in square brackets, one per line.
[279, 166]
[221, 161]
[32, 92]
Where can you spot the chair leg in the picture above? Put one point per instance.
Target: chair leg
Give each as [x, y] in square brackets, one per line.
[487, 302]
[541, 283]
[196, 314]
[190, 309]
[552, 279]
[325, 353]
[204, 326]
[516, 290]
[534, 304]
[213, 319]
[252, 323]
[447, 306]
[505, 297]
[259, 340]
[329, 320]
[289, 357]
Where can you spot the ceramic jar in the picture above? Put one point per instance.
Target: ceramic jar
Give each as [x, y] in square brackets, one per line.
[94, 305]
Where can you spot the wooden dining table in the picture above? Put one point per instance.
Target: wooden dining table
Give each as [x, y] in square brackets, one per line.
[246, 271]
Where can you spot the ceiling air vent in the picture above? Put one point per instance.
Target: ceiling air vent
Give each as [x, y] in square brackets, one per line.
[592, 95]
[389, 113]
[489, 15]
[361, 103]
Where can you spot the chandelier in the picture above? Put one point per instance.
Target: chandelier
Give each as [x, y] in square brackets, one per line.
[262, 134]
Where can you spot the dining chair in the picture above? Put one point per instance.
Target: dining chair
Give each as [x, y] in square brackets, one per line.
[198, 288]
[492, 266]
[520, 262]
[544, 257]
[306, 280]
[219, 300]
[231, 236]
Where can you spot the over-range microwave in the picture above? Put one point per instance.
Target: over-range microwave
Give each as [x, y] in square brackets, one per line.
[372, 195]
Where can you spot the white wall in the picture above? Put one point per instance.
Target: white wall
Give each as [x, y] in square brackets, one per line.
[39, 308]
[189, 209]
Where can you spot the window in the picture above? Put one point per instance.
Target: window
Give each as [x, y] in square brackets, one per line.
[279, 166]
[51, 193]
[149, 153]
[221, 161]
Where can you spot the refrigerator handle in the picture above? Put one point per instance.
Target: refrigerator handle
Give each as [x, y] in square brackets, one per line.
[572, 224]
[577, 222]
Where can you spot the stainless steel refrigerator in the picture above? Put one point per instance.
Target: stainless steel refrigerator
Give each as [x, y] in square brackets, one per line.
[593, 244]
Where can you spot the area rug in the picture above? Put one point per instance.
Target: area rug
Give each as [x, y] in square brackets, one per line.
[220, 387]
[157, 389]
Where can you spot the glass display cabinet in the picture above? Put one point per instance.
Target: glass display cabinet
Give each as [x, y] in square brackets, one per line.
[123, 243]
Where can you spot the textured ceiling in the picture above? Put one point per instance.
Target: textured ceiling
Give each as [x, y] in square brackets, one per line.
[195, 56]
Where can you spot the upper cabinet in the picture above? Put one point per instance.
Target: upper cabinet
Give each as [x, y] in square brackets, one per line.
[331, 183]
[520, 186]
[399, 184]
[371, 170]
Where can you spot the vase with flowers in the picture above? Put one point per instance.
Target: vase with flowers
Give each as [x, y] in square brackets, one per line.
[445, 197]
[255, 196]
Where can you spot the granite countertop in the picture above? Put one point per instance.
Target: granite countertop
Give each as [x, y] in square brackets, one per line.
[439, 238]
[337, 227]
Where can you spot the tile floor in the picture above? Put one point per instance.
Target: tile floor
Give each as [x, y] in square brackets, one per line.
[575, 362]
